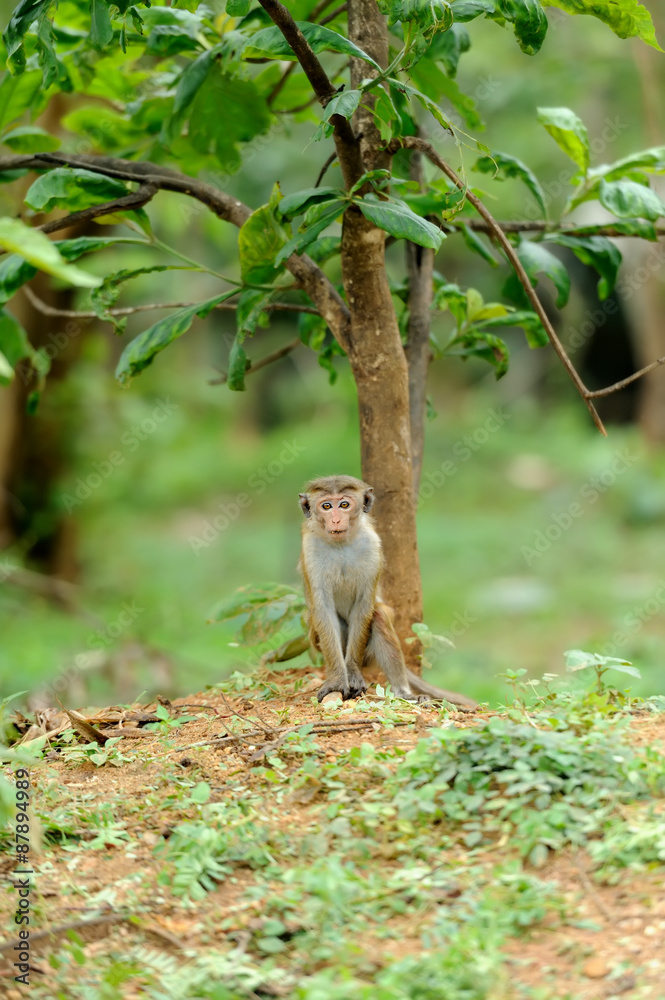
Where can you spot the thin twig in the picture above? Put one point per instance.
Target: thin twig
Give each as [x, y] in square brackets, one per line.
[268, 360]
[346, 144]
[73, 925]
[317, 727]
[277, 89]
[333, 14]
[414, 142]
[133, 200]
[331, 159]
[48, 310]
[319, 9]
[541, 226]
[626, 381]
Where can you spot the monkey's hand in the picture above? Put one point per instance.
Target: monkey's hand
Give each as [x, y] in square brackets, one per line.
[355, 688]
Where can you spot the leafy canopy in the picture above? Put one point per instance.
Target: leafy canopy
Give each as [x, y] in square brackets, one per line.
[190, 86]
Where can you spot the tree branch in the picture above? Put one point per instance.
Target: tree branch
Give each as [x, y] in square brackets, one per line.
[309, 275]
[322, 172]
[540, 226]
[346, 144]
[413, 142]
[333, 14]
[626, 381]
[47, 310]
[268, 360]
[277, 89]
[133, 200]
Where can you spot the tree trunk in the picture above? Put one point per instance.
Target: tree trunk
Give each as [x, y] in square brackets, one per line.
[420, 269]
[377, 358]
[379, 368]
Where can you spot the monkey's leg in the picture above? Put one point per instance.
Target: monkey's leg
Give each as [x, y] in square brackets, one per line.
[328, 629]
[383, 648]
[354, 643]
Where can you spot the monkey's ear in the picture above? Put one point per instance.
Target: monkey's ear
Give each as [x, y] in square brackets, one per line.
[304, 504]
[368, 499]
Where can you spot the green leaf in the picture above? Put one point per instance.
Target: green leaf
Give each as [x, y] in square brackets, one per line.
[14, 346]
[468, 10]
[169, 40]
[271, 42]
[323, 249]
[510, 166]
[626, 18]
[650, 160]
[292, 205]
[397, 219]
[578, 659]
[598, 252]
[251, 311]
[237, 8]
[101, 31]
[141, 351]
[536, 259]
[216, 135]
[73, 190]
[430, 105]
[629, 227]
[435, 84]
[238, 365]
[260, 239]
[30, 139]
[105, 296]
[448, 46]
[192, 78]
[627, 199]
[344, 104]
[15, 270]
[24, 15]
[17, 94]
[38, 250]
[430, 16]
[385, 114]
[318, 218]
[477, 343]
[569, 132]
[528, 20]
[474, 243]
[534, 330]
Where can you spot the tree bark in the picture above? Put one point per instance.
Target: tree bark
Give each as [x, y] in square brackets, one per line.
[377, 358]
[420, 269]
[379, 368]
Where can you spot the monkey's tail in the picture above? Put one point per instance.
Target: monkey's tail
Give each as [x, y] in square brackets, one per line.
[422, 687]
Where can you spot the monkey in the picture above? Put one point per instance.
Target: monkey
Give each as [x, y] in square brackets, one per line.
[341, 561]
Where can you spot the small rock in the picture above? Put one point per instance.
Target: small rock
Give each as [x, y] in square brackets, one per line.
[150, 838]
[334, 698]
[595, 968]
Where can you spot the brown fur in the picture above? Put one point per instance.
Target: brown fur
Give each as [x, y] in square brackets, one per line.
[341, 561]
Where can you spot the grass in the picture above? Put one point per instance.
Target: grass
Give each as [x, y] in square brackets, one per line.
[380, 849]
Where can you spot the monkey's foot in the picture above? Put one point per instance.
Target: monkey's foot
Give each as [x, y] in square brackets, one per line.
[354, 689]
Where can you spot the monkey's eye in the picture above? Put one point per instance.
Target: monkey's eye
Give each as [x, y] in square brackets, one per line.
[344, 503]
[326, 505]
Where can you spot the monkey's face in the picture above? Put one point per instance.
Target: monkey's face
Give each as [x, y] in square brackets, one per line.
[335, 505]
[336, 515]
